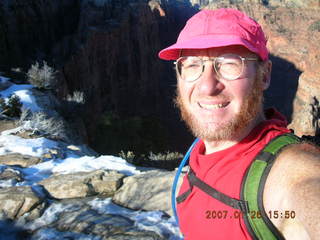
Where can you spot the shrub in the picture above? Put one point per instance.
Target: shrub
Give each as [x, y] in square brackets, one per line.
[166, 160]
[315, 26]
[14, 105]
[281, 29]
[39, 123]
[129, 156]
[77, 97]
[167, 156]
[42, 77]
[25, 115]
[72, 105]
[12, 108]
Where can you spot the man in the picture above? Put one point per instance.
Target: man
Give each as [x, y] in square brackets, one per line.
[222, 70]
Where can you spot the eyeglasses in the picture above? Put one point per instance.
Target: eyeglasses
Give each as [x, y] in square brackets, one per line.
[227, 66]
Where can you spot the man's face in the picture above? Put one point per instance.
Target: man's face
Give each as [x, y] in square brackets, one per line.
[215, 108]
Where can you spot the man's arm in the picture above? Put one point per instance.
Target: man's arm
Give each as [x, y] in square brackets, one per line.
[304, 194]
[294, 185]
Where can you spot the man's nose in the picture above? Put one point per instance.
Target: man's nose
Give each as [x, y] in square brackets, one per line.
[209, 84]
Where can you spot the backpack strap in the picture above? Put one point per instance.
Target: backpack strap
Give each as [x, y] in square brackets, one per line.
[220, 196]
[260, 227]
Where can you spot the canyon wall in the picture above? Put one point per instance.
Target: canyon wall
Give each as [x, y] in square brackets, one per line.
[108, 50]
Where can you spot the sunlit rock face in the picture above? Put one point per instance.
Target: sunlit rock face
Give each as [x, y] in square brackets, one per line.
[293, 35]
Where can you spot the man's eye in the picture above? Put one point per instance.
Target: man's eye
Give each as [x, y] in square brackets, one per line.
[230, 64]
[191, 65]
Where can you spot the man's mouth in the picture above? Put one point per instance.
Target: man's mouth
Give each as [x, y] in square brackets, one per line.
[212, 106]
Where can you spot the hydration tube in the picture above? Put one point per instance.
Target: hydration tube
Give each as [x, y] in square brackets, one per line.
[176, 179]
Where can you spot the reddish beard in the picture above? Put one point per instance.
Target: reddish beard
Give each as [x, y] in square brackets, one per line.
[250, 108]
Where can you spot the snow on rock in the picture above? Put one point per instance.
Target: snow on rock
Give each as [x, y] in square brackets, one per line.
[24, 93]
[33, 147]
[86, 164]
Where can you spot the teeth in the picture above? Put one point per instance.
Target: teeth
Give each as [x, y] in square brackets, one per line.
[211, 106]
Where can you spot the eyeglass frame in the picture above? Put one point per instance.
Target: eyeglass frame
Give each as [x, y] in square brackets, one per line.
[213, 60]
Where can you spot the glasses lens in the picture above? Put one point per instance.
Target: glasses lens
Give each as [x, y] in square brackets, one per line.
[229, 66]
[189, 68]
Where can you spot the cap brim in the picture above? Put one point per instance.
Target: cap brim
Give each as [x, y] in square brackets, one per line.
[204, 42]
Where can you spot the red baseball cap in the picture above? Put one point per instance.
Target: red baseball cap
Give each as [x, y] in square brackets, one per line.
[219, 28]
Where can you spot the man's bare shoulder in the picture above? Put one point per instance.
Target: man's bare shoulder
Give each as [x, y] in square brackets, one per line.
[294, 183]
[302, 159]
[302, 148]
[296, 163]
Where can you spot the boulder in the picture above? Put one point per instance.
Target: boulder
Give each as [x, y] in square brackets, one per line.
[82, 218]
[16, 201]
[82, 150]
[83, 184]
[19, 160]
[9, 177]
[54, 153]
[306, 107]
[147, 191]
[10, 174]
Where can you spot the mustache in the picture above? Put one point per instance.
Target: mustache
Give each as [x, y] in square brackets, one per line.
[222, 97]
[219, 98]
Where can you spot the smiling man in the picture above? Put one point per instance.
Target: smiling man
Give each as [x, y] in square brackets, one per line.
[249, 177]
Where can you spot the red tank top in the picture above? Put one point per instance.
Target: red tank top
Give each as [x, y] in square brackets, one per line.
[202, 217]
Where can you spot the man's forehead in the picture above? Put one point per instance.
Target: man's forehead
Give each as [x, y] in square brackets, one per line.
[213, 52]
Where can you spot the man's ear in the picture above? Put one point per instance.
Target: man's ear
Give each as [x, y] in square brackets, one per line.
[267, 74]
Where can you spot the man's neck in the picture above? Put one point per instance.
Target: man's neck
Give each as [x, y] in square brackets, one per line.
[215, 146]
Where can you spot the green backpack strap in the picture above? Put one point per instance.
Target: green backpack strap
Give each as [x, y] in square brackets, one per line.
[257, 221]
